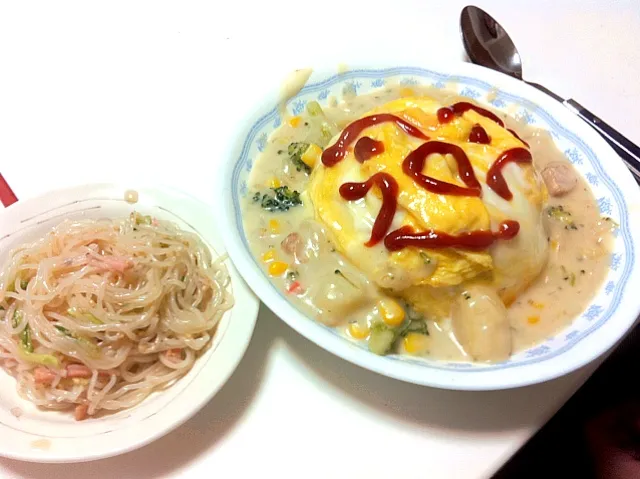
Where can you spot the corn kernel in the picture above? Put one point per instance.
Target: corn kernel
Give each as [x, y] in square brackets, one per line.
[275, 183]
[269, 256]
[535, 304]
[274, 226]
[406, 91]
[554, 245]
[311, 155]
[392, 313]
[277, 268]
[358, 331]
[533, 319]
[295, 121]
[416, 343]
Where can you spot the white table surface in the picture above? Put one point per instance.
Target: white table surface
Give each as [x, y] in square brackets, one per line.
[120, 90]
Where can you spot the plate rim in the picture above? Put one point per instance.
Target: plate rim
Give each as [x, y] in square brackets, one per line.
[625, 314]
[241, 329]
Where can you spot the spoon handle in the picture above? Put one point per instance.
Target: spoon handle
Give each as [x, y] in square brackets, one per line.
[625, 148]
[628, 151]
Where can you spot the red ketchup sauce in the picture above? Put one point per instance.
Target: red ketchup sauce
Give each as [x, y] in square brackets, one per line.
[413, 165]
[517, 136]
[495, 178]
[367, 148]
[336, 152]
[448, 113]
[432, 239]
[389, 189]
[479, 135]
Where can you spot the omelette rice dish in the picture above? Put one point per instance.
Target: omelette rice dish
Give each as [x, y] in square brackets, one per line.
[423, 224]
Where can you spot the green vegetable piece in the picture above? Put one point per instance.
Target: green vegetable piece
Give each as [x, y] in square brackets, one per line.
[559, 213]
[425, 257]
[63, 330]
[296, 150]
[17, 317]
[24, 284]
[88, 344]
[25, 334]
[412, 314]
[327, 132]
[281, 200]
[76, 314]
[569, 276]
[141, 220]
[419, 326]
[314, 108]
[43, 359]
[381, 339]
[25, 338]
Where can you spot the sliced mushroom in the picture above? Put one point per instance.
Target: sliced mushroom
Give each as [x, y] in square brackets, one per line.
[560, 178]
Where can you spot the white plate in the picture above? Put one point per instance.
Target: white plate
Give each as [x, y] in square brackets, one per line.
[51, 436]
[613, 309]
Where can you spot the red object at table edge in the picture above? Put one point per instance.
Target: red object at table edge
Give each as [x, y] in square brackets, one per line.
[7, 196]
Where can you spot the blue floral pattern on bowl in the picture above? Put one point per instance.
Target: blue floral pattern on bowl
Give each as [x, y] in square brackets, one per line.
[609, 197]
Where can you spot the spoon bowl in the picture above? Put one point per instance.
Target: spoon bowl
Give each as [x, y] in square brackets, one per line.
[487, 43]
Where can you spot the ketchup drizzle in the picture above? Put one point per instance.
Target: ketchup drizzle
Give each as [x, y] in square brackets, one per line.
[389, 189]
[338, 150]
[495, 178]
[447, 113]
[479, 135]
[432, 239]
[517, 136]
[413, 165]
[367, 148]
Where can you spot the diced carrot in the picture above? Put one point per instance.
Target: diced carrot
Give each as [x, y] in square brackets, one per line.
[81, 412]
[533, 319]
[112, 263]
[44, 375]
[78, 371]
[295, 288]
[174, 354]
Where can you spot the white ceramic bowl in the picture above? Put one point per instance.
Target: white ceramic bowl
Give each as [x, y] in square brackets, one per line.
[51, 436]
[613, 309]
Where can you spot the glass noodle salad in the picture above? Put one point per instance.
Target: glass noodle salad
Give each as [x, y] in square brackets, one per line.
[96, 315]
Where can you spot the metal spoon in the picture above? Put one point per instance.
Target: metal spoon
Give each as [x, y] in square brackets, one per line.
[488, 44]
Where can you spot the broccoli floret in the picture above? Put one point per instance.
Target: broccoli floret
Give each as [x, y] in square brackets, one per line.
[564, 216]
[419, 326]
[281, 199]
[296, 150]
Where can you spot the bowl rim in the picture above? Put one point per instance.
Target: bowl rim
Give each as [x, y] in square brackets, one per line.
[578, 355]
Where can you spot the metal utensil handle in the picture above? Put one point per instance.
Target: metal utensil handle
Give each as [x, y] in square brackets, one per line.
[628, 151]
